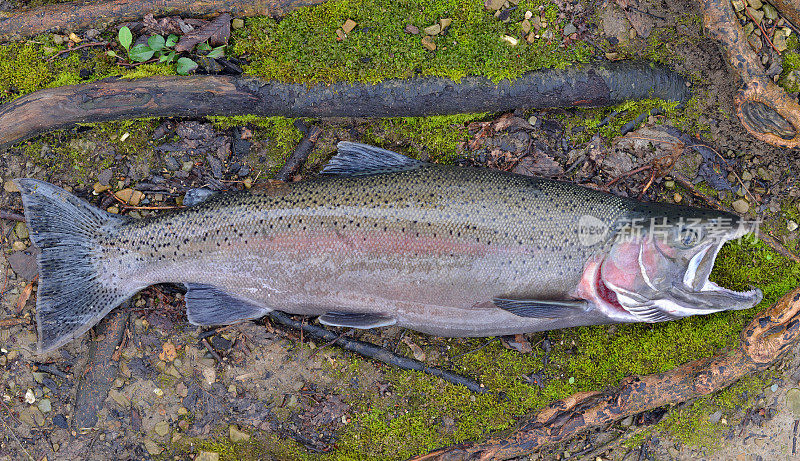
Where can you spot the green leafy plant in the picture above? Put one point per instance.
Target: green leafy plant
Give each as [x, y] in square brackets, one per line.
[163, 49]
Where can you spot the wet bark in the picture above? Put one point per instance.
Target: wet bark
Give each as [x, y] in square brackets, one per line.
[765, 110]
[102, 367]
[763, 341]
[78, 15]
[588, 86]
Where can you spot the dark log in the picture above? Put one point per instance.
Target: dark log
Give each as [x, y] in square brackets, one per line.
[765, 110]
[78, 15]
[763, 341]
[102, 368]
[375, 352]
[587, 86]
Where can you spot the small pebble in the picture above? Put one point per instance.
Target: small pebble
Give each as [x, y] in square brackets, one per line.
[161, 428]
[44, 406]
[348, 26]
[569, 29]
[677, 197]
[30, 398]
[741, 206]
[237, 23]
[207, 456]
[791, 226]
[236, 435]
[411, 29]
[793, 401]
[428, 43]
[714, 418]
[21, 230]
[510, 40]
[433, 30]
[153, 447]
[445, 23]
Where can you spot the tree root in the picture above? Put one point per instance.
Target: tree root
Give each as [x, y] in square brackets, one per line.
[763, 341]
[587, 86]
[101, 14]
[765, 110]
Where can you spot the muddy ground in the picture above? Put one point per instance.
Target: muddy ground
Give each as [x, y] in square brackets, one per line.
[258, 390]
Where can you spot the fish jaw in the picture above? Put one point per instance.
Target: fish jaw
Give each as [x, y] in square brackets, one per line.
[638, 282]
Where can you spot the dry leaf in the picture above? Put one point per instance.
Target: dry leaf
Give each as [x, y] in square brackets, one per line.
[216, 32]
[417, 351]
[24, 296]
[169, 353]
[539, 164]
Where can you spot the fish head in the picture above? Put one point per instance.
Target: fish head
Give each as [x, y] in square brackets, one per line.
[659, 262]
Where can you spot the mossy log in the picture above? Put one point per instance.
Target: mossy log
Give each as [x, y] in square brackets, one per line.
[763, 341]
[765, 110]
[196, 96]
[78, 15]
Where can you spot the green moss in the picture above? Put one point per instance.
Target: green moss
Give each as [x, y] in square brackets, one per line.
[260, 446]
[303, 46]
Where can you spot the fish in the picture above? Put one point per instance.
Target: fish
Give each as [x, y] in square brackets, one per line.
[379, 239]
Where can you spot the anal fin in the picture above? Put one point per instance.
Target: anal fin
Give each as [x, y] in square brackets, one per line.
[542, 308]
[208, 305]
[362, 320]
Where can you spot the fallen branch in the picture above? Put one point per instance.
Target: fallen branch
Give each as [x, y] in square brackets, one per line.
[763, 341]
[197, 96]
[764, 109]
[374, 352]
[300, 154]
[77, 15]
[11, 216]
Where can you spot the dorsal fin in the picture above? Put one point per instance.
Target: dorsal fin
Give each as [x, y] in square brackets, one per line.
[354, 159]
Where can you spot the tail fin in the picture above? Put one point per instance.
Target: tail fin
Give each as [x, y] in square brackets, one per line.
[71, 297]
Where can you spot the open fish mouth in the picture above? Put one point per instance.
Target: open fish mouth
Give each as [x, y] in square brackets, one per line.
[668, 289]
[707, 295]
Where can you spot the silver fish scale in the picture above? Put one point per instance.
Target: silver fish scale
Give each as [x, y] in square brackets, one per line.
[432, 236]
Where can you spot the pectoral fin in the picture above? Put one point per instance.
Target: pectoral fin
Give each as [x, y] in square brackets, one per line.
[542, 308]
[208, 305]
[362, 320]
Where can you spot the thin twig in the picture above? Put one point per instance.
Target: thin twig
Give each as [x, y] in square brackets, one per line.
[300, 154]
[211, 350]
[763, 32]
[132, 207]
[11, 431]
[6, 323]
[328, 343]
[135, 64]
[375, 352]
[74, 48]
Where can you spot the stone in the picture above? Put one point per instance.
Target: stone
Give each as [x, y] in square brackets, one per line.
[130, 196]
[18, 246]
[30, 397]
[793, 401]
[756, 4]
[153, 447]
[348, 26]
[569, 29]
[433, 30]
[120, 398]
[779, 41]
[428, 43]
[236, 435]
[510, 40]
[172, 164]
[44, 406]
[105, 176]
[791, 226]
[769, 11]
[237, 23]
[99, 188]
[207, 456]
[755, 42]
[738, 5]
[58, 39]
[714, 418]
[411, 29]
[757, 15]
[209, 375]
[21, 230]
[525, 26]
[741, 206]
[494, 5]
[340, 34]
[10, 187]
[161, 428]
[445, 23]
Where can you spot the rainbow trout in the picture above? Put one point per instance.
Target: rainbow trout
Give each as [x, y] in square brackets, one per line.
[380, 239]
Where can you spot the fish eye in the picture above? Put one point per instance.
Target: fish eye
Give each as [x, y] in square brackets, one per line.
[687, 237]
